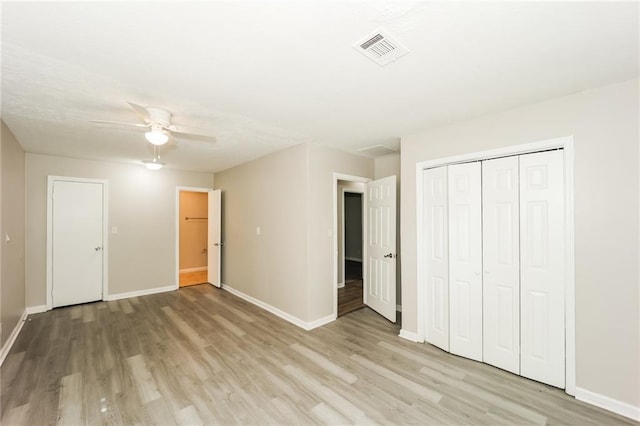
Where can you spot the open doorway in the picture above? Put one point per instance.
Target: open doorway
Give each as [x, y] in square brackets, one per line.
[350, 251]
[192, 236]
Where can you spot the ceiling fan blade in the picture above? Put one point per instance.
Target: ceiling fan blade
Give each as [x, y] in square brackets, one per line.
[121, 123]
[141, 111]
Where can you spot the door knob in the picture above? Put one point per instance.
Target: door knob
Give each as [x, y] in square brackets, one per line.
[98, 248]
[390, 255]
[218, 244]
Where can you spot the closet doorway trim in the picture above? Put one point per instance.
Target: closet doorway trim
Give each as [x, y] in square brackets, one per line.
[565, 143]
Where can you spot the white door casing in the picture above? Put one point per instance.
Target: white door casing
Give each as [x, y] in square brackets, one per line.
[542, 272]
[77, 249]
[465, 260]
[380, 294]
[214, 239]
[501, 262]
[436, 237]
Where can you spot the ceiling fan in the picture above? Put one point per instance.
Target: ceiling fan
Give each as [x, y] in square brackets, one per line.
[158, 121]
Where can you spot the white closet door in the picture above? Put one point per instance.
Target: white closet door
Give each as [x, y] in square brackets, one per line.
[501, 259]
[542, 267]
[437, 250]
[465, 260]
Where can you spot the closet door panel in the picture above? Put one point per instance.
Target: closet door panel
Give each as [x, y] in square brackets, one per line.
[501, 261]
[542, 267]
[465, 260]
[437, 257]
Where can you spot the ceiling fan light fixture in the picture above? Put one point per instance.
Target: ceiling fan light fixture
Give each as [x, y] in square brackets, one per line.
[153, 164]
[157, 137]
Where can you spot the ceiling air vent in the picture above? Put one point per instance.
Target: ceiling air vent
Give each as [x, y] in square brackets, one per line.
[380, 47]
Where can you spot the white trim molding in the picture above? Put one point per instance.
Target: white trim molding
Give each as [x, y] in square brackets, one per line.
[177, 231]
[340, 285]
[36, 309]
[356, 179]
[12, 337]
[608, 404]
[565, 143]
[137, 293]
[409, 335]
[282, 314]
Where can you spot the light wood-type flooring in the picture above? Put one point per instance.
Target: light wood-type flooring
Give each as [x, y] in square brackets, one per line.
[201, 355]
[193, 278]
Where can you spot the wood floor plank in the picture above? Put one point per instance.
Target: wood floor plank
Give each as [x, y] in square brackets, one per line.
[145, 383]
[323, 362]
[16, 416]
[200, 355]
[70, 405]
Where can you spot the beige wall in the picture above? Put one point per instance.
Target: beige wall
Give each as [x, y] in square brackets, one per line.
[323, 162]
[604, 123]
[12, 284]
[142, 205]
[389, 165]
[270, 193]
[193, 232]
[289, 195]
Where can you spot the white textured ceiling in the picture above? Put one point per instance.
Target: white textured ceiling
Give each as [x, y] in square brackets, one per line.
[263, 75]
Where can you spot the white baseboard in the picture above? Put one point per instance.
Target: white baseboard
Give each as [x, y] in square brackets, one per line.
[340, 285]
[12, 337]
[609, 404]
[126, 295]
[409, 335]
[36, 309]
[201, 268]
[320, 322]
[285, 316]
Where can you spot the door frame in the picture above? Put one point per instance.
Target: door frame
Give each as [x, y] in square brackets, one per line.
[344, 257]
[51, 179]
[349, 178]
[177, 230]
[565, 143]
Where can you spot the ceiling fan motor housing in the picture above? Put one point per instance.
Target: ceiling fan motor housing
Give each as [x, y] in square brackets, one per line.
[159, 116]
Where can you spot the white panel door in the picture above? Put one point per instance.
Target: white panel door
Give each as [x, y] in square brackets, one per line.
[501, 260]
[436, 240]
[380, 280]
[542, 267]
[214, 241]
[77, 249]
[465, 260]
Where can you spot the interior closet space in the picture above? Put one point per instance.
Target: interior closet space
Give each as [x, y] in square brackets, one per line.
[193, 238]
[494, 233]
